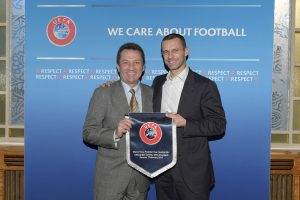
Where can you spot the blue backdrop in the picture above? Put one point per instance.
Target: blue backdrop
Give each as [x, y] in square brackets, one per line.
[229, 41]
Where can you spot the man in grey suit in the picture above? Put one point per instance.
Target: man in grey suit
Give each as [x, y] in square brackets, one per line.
[105, 126]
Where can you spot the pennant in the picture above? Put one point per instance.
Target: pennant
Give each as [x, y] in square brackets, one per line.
[151, 146]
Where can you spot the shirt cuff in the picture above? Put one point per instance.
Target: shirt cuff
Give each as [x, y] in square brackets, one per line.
[116, 139]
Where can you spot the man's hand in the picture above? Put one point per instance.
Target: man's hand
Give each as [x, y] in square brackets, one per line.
[107, 84]
[177, 119]
[123, 126]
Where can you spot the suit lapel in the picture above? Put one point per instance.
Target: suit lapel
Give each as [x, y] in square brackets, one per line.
[146, 99]
[158, 95]
[187, 91]
[120, 98]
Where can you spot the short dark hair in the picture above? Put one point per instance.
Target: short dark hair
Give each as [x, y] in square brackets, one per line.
[172, 36]
[130, 46]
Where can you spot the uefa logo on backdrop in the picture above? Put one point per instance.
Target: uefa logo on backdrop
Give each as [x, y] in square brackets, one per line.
[150, 133]
[61, 30]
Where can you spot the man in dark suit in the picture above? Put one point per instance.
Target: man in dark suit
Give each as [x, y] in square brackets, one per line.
[106, 124]
[194, 104]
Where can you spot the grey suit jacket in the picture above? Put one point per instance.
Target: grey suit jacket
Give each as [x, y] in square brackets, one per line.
[107, 107]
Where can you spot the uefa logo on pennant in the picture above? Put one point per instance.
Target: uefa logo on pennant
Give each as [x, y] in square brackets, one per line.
[61, 31]
[150, 133]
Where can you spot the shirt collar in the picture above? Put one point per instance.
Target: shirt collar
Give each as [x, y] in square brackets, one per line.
[182, 76]
[127, 87]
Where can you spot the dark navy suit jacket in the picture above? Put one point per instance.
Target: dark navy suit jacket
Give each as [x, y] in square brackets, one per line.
[200, 104]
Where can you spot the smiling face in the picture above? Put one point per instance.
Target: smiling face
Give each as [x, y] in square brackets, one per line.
[130, 66]
[174, 55]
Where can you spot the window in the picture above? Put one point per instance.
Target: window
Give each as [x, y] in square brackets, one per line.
[12, 29]
[288, 136]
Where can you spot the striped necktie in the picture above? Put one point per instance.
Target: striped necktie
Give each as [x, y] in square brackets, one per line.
[134, 106]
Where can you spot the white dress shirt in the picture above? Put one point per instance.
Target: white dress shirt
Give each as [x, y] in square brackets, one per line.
[171, 91]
